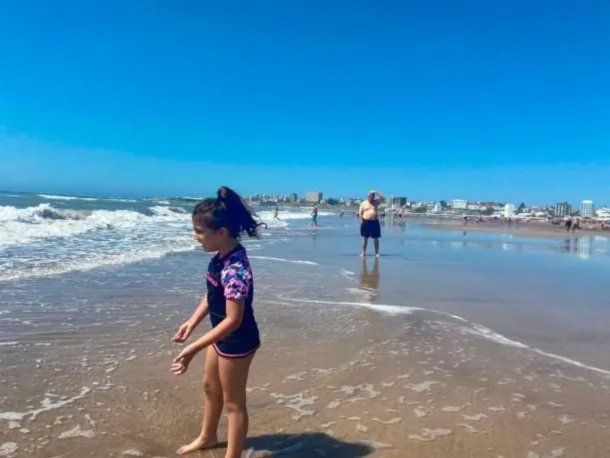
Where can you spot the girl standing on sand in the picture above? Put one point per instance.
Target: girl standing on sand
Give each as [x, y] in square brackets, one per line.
[234, 338]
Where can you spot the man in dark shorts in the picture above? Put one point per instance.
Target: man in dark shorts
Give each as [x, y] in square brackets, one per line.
[369, 220]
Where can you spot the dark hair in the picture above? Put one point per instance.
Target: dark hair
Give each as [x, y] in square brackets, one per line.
[227, 210]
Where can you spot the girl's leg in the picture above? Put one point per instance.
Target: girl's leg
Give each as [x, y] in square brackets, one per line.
[234, 376]
[212, 407]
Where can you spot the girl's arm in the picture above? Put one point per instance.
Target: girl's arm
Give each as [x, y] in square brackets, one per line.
[201, 312]
[235, 314]
[189, 325]
[232, 321]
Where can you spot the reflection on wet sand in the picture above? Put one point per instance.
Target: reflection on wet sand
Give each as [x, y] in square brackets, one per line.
[369, 279]
[578, 245]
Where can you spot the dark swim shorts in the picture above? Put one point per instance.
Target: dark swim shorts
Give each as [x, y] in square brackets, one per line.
[370, 228]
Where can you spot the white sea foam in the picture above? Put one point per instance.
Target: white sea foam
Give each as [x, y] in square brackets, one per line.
[386, 308]
[488, 334]
[95, 260]
[47, 404]
[293, 261]
[60, 197]
[346, 273]
[77, 432]
[572, 362]
[8, 448]
[430, 434]
[25, 225]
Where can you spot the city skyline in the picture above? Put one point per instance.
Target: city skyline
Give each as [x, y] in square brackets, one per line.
[295, 197]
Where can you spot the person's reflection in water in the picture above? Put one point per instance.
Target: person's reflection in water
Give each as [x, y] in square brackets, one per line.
[369, 280]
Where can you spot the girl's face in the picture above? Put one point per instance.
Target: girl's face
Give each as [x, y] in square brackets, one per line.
[210, 239]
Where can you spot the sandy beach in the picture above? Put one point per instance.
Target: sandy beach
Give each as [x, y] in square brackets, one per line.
[523, 229]
[446, 346]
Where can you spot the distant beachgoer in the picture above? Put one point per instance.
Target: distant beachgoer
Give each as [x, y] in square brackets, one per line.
[234, 338]
[465, 220]
[568, 224]
[575, 225]
[369, 220]
[276, 212]
[314, 216]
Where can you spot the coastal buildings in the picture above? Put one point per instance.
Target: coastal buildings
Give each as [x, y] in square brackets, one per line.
[398, 202]
[313, 197]
[459, 204]
[509, 211]
[603, 214]
[563, 209]
[587, 209]
[438, 207]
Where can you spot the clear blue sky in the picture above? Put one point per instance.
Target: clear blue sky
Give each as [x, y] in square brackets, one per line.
[430, 99]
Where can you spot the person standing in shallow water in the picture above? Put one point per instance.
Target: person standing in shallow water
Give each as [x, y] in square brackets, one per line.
[369, 220]
[234, 338]
[314, 216]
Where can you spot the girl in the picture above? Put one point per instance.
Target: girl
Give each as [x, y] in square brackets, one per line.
[234, 337]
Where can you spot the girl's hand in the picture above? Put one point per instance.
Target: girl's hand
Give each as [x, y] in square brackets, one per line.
[184, 331]
[182, 361]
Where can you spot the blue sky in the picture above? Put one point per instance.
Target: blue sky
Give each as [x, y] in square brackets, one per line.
[479, 99]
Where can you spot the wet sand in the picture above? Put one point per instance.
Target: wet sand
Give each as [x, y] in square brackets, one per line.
[523, 229]
[353, 383]
[357, 360]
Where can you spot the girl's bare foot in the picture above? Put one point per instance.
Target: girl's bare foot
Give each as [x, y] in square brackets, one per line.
[199, 443]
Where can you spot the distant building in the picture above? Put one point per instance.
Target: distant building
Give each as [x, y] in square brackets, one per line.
[459, 204]
[587, 209]
[294, 197]
[313, 196]
[397, 202]
[563, 209]
[438, 207]
[509, 211]
[603, 214]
